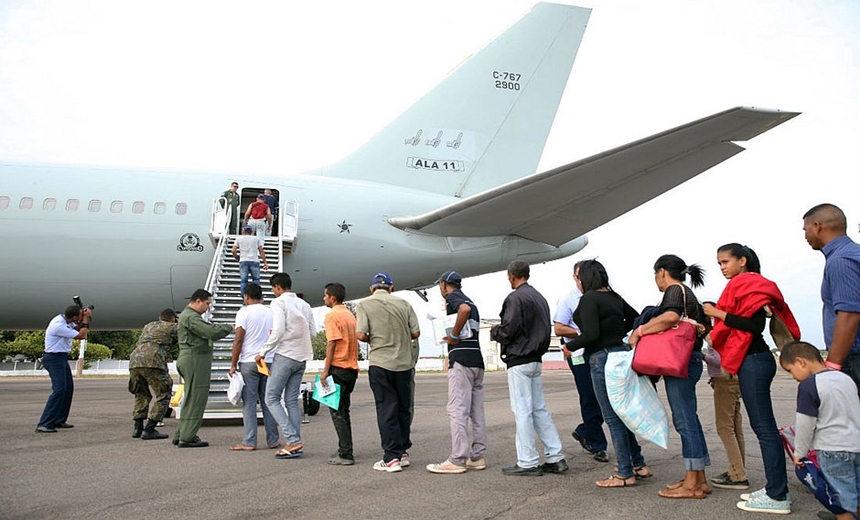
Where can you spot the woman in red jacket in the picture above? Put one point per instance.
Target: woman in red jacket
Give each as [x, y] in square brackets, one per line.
[739, 320]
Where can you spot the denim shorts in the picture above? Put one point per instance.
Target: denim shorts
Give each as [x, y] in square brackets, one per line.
[841, 469]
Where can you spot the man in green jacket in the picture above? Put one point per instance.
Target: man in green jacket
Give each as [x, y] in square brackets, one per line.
[195, 366]
[233, 199]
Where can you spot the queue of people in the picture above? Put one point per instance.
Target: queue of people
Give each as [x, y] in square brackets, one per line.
[594, 322]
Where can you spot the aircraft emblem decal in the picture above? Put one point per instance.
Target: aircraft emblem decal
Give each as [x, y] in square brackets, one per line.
[189, 242]
[344, 226]
[435, 141]
[414, 140]
[456, 142]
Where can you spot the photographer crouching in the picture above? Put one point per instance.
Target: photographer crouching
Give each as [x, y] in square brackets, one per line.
[72, 324]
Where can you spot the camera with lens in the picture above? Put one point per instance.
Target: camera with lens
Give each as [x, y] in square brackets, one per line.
[77, 300]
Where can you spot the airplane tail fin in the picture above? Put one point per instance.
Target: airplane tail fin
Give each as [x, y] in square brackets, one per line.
[487, 123]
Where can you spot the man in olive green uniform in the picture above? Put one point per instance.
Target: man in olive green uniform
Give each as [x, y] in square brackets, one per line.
[233, 200]
[195, 366]
[147, 367]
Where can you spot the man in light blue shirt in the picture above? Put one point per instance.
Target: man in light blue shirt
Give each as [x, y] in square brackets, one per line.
[72, 324]
[825, 227]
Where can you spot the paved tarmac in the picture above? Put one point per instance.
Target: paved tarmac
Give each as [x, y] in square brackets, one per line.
[97, 470]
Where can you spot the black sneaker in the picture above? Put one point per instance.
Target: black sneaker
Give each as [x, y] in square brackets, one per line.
[517, 470]
[725, 482]
[584, 443]
[601, 456]
[555, 467]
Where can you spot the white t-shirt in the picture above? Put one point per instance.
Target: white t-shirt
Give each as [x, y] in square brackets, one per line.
[256, 320]
[248, 248]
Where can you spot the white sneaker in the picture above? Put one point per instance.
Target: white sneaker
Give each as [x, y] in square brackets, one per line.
[476, 464]
[390, 467]
[404, 460]
[761, 493]
[444, 467]
[765, 504]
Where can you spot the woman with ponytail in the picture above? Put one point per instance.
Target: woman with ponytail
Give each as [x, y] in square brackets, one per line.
[739, 320]
[679, 301]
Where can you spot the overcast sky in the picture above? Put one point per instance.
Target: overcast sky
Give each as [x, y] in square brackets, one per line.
[284, 87]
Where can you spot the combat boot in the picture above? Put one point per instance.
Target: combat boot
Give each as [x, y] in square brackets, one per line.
[150, 433]
[138, 428]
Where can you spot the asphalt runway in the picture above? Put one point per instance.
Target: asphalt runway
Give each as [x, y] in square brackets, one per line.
[97, 470]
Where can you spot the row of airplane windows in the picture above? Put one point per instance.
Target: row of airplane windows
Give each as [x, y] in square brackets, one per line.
[93, 206]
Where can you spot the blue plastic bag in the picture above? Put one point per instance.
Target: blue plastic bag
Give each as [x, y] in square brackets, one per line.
[635, 400]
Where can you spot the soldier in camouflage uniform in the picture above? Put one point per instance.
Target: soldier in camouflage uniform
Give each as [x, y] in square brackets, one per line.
[147, 368]
[195, 366]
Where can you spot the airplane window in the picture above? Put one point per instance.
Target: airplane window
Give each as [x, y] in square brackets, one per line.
[138, 206]
[49, 204]
[181, 208]
[95, 206]
[159, 208]
[72, 205]
[116, 206]
[4, 202]
[26, 203]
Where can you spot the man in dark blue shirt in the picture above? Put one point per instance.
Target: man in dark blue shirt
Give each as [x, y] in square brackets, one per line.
[465, 381]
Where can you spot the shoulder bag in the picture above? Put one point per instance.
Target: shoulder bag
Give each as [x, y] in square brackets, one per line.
[667, 353]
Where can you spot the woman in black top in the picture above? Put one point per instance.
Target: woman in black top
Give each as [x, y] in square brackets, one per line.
[679, 301]
[604, 319]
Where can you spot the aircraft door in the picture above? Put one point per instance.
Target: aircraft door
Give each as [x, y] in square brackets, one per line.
[249, 195]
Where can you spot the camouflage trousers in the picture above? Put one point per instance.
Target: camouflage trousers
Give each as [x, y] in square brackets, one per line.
[139, 382]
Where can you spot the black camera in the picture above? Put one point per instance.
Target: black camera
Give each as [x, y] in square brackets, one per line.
[77, 300]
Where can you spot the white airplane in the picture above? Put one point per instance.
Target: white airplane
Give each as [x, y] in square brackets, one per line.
[134, 242]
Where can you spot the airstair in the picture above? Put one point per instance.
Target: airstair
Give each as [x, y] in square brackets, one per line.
[223, 283]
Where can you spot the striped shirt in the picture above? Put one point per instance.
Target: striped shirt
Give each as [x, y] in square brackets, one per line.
[840, 288]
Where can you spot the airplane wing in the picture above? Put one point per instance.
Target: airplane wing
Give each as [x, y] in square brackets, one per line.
[559, 205]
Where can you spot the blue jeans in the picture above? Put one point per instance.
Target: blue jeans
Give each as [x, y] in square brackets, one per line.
[286, 380]
[245, 268]
[628, 454]
[255, 387]
[841, 469]
[62, 389]
[529, 407]
[755, 376]
[591, 427]
[681, 393]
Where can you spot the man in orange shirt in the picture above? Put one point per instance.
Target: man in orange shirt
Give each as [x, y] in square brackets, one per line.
[341, 363]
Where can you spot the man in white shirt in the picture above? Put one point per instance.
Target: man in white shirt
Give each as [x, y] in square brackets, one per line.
[248, 250]
[253, 324]
[74, 323]
[292, 329]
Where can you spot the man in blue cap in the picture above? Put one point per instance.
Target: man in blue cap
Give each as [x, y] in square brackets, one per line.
[389, 324]
[465, 381]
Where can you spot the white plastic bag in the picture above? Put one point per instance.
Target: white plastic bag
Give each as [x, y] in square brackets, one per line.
[635, 400]
[234, 391]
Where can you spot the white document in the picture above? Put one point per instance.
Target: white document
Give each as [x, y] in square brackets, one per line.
[321, 391]
[443, 326]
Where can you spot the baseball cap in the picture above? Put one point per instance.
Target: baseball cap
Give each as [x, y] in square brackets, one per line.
[450, 277]
[247, 228]
[260, 196]
[382, 279]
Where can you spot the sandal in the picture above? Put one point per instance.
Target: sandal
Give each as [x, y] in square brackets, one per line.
[616, 481]
[242, 447]
[703, 487]
[642, 471]
[682, 492]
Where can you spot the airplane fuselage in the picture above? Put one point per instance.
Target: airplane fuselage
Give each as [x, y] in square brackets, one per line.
[132, 243]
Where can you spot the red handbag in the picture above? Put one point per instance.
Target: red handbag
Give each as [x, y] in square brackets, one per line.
[667, 353]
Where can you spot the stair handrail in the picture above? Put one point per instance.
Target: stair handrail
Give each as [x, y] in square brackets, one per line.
[215, 270]
[219, 205]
